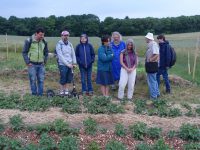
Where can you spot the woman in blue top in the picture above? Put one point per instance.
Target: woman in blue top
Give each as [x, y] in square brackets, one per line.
[104, 66]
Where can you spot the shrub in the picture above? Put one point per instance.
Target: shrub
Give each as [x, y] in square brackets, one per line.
[90, 126]
[46, 142]
[138, 130]
[160, 145]
[115, 145]
[142, 146]
[93, 146]
[16, 122]
[191, 146]
[71, 106]
[68, 143]
[120, 130]
[154, 132]
[189, 132]
[174, 112]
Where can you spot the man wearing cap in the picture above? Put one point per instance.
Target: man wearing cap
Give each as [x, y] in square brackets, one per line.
[152, 55]
[66, 61]
[35, 54]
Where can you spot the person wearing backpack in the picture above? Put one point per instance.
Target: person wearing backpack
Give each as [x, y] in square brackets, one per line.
[85, 57]
[128, 60]
[164, 61]
[35, 54]
[66, 61]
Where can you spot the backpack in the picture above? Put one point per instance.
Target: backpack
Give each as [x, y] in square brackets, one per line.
[173, 56]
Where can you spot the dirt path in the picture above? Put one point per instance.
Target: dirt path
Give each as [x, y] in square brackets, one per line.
[108, 121]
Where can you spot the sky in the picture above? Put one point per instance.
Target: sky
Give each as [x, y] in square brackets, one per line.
[101, 8]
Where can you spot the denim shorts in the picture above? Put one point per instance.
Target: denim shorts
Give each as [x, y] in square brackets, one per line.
[65, 74]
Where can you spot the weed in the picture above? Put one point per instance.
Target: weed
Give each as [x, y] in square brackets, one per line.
[93, 146]
[115, 145]
[120, 130]
[189, 132]
[160, 145]
[9, 144]
[103, 130]
[1, 126]
[186, 105]
[57, 101]
[172, 134]
[174, 112]
[114, 108]
[140, 106]
[90, 126]
[162, 111]
[61, 126]
[190, 113]
[68, 143]
[191, 146]
[44, 128]
[16, 122]
[198, 110]
[138, 130]
[46, 142]
[142, 146]
[154, 132]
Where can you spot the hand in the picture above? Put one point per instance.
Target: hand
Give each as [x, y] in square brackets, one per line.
[70, 65]
[29, 65]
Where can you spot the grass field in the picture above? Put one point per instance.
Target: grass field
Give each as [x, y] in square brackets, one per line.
[181, 42]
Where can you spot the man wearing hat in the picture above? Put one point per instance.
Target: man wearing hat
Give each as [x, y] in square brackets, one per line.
[152, 55]
[66, 61]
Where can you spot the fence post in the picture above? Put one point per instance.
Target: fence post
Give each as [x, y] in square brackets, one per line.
[15, 47]
[6, 46]
[189, 71]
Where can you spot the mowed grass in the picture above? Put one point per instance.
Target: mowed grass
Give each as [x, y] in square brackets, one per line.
[183, 43]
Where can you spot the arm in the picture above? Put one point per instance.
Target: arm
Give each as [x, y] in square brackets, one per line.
[25, 52]
[154, 58]
[73, 56]
[103, 56]
[122, 63]
[77, 54]
[46, 52]
[92, 53]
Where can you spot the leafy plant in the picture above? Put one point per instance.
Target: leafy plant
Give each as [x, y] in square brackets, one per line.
[93, 146]
[57, 101]
[154, 132]
[186, 105]
[90, 126]
[160, 145]
[198, 110]
[162, 111]
[68, 143]
[16, 122]
[44, 128]
[61, 126]
[189, 132]
[142, 146]
[138, 130]
[102, 130]
[120, 130]
[174, 112]
[1, 126]
[46, 142]
[140, 106]
[71, 106]
[115, 145]
[9, 144]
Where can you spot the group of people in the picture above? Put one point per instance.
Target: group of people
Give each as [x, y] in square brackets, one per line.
[116, 64]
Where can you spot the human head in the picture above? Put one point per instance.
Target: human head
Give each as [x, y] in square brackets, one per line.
[105, 40]
[161, 38]
[116, 37]
[149, 37]
[83, 38]
[65, 35]
[130, 45]
[39, 34]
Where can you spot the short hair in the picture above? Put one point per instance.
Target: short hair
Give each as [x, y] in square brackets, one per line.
[39, 29]
[105, 38]
[161, 36]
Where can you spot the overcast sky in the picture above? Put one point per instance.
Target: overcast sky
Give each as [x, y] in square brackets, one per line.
[101, 8]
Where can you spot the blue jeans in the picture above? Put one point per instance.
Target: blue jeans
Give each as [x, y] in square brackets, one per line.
[66, 75]
[153, 85]
[36, 77]
[164, 73]
[86, 74]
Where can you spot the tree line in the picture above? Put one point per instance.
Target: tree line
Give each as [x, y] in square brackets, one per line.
[91, 24]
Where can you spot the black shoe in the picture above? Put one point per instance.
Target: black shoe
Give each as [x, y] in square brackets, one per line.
[168, 91]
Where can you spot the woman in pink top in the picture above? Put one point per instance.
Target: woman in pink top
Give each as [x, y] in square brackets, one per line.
[128, 61]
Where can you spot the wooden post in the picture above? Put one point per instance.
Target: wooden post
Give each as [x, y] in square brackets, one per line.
[189, 71]
[195, 58]
[6, 46]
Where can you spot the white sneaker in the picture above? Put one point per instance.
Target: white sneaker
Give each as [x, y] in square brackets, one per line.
[62, 92]
[66, 92]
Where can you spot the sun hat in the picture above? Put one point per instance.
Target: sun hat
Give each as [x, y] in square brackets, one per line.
[149, 36]
[65, 33]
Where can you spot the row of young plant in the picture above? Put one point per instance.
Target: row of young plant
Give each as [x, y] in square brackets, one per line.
[138, 131]
[162, 109]
[94, 105]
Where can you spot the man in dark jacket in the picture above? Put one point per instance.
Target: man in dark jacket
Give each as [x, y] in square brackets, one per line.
[35, 54]
[85, 57]
[164, 61]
